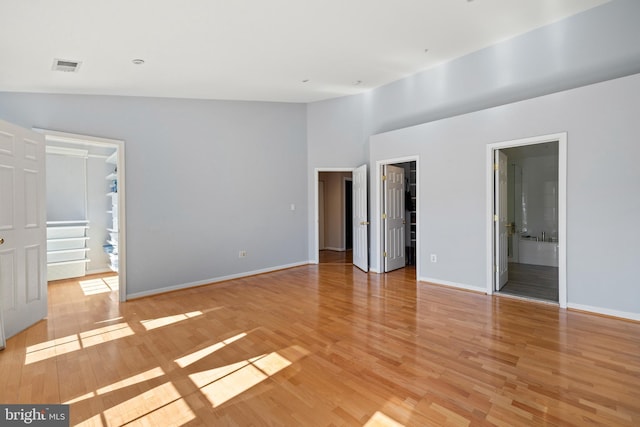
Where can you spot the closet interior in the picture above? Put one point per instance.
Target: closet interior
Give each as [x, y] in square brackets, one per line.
[82, 210]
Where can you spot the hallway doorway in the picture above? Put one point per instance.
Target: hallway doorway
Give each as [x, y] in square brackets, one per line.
[335, 230]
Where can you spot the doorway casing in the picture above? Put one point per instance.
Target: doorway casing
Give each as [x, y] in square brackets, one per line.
[316, 195]
[561, 138]
[56, 136]
[376, 219]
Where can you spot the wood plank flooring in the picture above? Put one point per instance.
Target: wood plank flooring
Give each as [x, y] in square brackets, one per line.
[335, 257]
[323, 345]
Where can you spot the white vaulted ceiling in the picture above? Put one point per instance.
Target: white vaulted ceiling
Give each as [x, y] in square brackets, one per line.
[269, 50]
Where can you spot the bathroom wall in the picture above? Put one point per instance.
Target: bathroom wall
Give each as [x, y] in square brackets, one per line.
[535, 204]
[540, 196]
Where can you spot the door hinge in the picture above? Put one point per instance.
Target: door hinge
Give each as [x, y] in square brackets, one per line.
[384, 216]
[385, 254]
[384, 177]
[495, 167]
[495, 218]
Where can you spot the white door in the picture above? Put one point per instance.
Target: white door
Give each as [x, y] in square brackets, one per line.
[360, 219]
[393, 217]
[501, 227]
[23, 283]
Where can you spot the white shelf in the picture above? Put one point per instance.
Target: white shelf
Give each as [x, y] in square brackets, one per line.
[112, 159]
[75, 261]
[112, 239]
[67, 249]
[65, 223]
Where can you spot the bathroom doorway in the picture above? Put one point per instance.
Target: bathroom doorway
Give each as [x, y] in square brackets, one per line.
[528, 218]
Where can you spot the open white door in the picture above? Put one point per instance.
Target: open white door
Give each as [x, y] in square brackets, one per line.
[23, 283]
[393, 217]
[501, 229]
[360, 219]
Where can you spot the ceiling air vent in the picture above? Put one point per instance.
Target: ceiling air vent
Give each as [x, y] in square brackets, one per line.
[65, 65]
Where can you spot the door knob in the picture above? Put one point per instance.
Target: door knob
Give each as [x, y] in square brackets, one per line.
[1, 240]
[364, 223]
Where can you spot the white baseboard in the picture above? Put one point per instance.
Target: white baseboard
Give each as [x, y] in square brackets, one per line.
[605, 311]
[212, 280]
[99, 271]
[329, 248]
[480, 289]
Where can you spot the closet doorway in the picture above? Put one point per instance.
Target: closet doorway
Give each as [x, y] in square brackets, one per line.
[397, 206]
[85, 207]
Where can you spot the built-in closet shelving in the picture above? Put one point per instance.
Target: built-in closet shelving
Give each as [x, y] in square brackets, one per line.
[111, 246]
[412, 210]
[67, 249]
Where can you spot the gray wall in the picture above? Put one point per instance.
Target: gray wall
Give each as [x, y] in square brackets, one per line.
[66, 188]
[603, 188]
[595, 46]
[205, 179]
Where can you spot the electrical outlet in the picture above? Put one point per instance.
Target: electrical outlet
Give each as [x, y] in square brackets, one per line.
[434, 258]
[242, 254]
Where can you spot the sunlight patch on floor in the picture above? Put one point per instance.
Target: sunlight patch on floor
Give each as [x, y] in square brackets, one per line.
[201, 354]
[99, 286]
[234, 384]
[143, 404]
[178, 412]
[59, 346]
[251, 372]
[127, 382]
[109, 320]
[202, 378]
[105, 334]
[80, 398]
[52, 348]
[135, 379]
[381, 420]
[168, 320]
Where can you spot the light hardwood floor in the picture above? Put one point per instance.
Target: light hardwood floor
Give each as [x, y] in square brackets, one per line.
[323, 345]
[335, 257]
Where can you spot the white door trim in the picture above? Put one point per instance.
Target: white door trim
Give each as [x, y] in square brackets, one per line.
[376, 217]
[316, 235]
[562, 208]
[56, 136]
